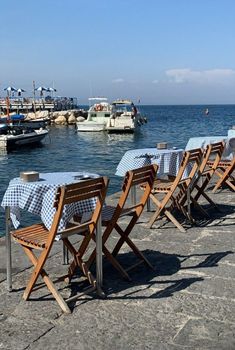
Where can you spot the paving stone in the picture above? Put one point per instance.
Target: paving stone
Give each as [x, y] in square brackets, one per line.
[207, 334]
[186, 302]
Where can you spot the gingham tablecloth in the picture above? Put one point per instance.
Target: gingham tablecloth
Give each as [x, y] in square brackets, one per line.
[38, 197]
[168, 160]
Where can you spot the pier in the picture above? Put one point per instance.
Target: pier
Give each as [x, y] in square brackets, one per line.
[187, 302]
[25, 105]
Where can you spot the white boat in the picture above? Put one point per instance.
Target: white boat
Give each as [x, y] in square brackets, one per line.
[125, 117]
[14, 136]
[98, 115]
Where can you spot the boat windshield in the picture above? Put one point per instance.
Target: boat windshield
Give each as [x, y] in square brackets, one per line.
[123, 107]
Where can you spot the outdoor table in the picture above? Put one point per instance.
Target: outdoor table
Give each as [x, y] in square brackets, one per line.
[203, 141]
[168, 161]
[38, 198]
[231, 133]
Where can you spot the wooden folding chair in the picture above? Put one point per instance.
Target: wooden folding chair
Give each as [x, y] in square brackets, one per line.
[175, 190]
[225, 169]
[38, 237]
[112, 214]
[212, 155]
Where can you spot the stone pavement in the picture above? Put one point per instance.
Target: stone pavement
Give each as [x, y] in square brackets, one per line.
[187, 302]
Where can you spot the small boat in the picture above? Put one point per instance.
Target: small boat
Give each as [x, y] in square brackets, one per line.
[97, 117]
[13, 136]
[20, 119]
[206, 111]
[125, 117]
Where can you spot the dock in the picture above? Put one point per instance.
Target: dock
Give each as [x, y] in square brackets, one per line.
[186, 302]
[25, 105]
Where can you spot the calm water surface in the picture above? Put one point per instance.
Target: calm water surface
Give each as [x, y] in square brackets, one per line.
[67, 150]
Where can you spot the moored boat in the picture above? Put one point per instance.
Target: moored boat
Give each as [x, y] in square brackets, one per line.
[21, 120]
[97, 117]
[14, 136]
[125, 117]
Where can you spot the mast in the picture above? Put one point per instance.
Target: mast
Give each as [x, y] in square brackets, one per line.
[34, 106]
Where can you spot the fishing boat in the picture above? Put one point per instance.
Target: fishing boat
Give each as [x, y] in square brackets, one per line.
[125, 117]
[13, 136]
[97, 117]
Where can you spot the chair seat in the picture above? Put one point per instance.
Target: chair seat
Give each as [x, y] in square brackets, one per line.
[223, 163]
[35, 235]
[162, 185]
[108, 211]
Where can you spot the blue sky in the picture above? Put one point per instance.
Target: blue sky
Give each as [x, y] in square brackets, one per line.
[158, 51]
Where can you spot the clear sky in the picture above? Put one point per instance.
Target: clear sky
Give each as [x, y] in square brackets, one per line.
[158, 51]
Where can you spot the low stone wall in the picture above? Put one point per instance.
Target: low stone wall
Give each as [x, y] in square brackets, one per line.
[58, 117]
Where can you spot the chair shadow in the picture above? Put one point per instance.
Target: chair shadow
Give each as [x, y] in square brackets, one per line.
[219, 213]
[144, 279]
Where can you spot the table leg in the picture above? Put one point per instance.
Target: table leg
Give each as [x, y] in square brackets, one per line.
[148, 204]
[133, 195]
[188, 202]
[99, 267]
[8, 249]
[65, 255]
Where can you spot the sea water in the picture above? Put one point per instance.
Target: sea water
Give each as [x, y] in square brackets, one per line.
[66, 150]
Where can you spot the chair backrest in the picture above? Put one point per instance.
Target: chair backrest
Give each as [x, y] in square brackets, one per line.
[73, 193]
[212, 153]
[211, 158]
[188, 167]
[188, 172]
[141, 176]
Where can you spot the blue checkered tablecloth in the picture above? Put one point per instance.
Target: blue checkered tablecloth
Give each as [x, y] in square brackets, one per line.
[168, 160]
[38, 197]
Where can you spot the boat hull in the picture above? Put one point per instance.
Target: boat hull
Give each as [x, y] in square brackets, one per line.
[87, 126]
[120, 130]
[14, 141]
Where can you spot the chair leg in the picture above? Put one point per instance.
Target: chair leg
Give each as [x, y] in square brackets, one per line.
[154, 217]
[38, 268]
[78, 262]
[125, 238]
[223, 178]
[174, 221]
[230, 184]
[50, 285]
[203, 211]
[115, 263]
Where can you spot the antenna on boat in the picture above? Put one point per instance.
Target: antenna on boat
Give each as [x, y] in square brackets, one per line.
[34, 107]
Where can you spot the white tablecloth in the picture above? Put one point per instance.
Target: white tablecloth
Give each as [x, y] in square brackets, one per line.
[168, 160]
[231, 133]
[38, 197]
[203, 141]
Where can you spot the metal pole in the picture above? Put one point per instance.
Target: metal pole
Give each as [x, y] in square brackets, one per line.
[148, 204]
[133, 195]
[99, 267]
[8, 249]
[65, 255]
